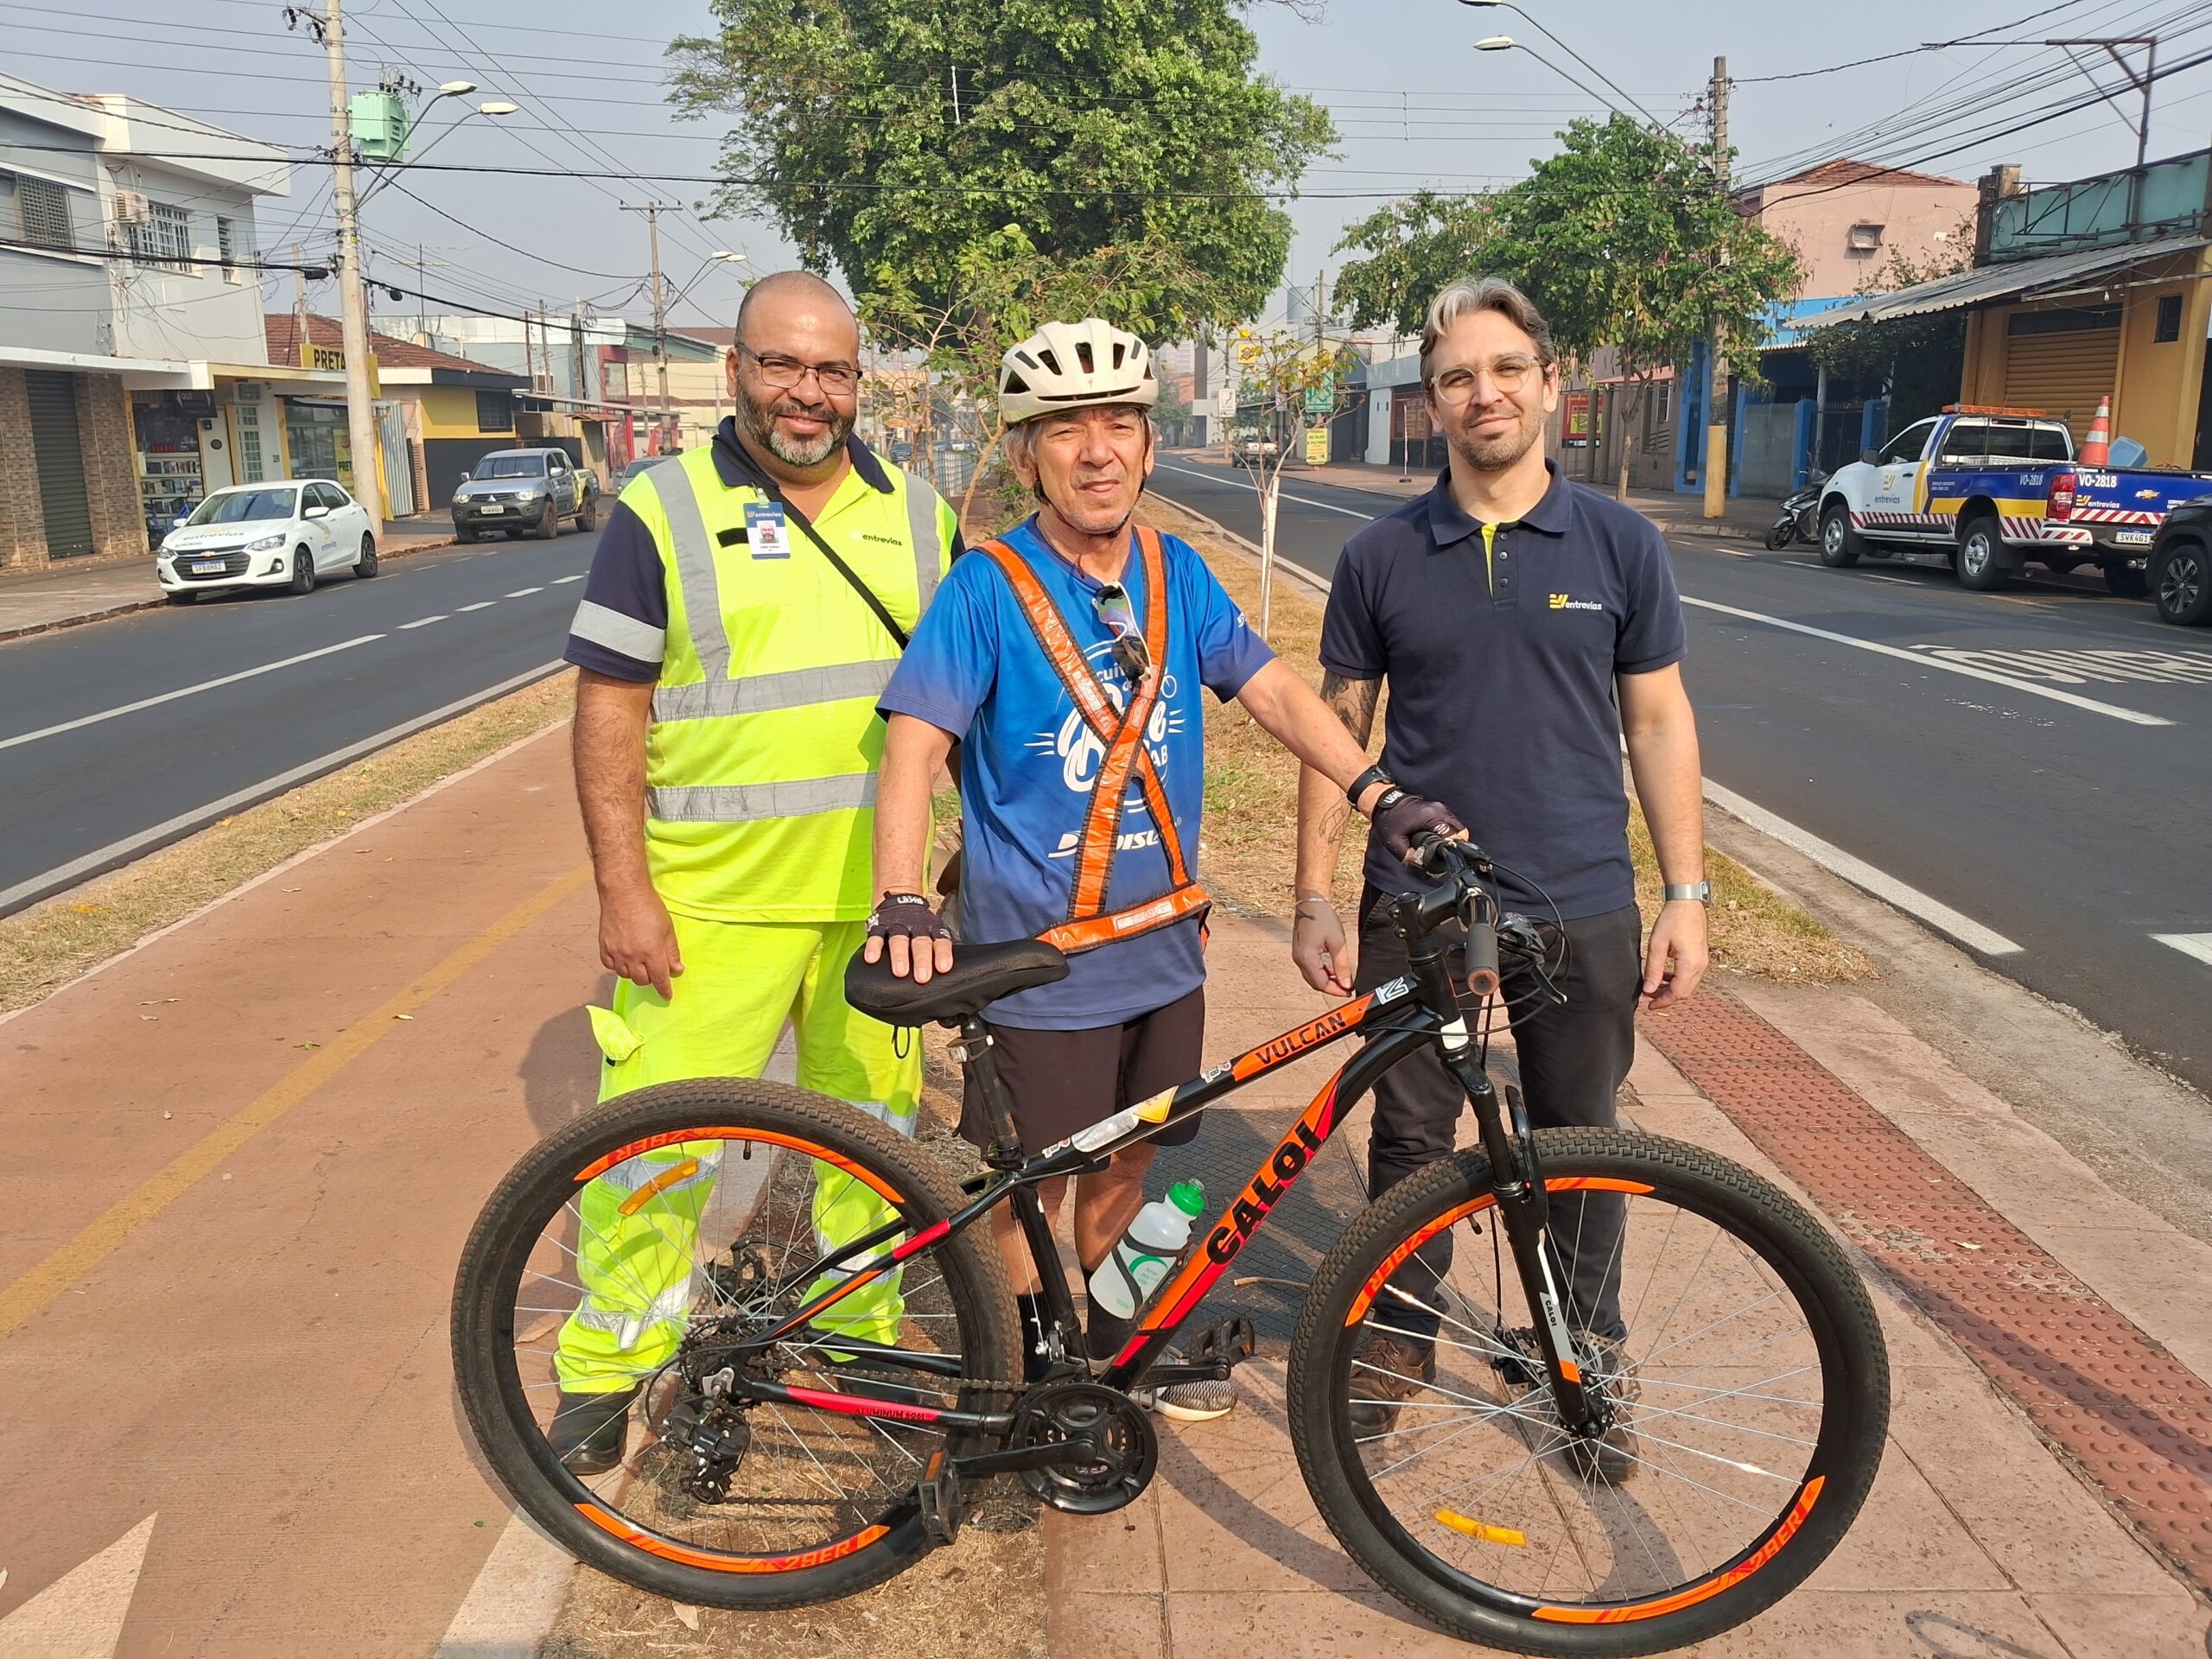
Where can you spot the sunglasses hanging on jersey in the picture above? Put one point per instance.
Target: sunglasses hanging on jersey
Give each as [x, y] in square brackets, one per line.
[1131, 655]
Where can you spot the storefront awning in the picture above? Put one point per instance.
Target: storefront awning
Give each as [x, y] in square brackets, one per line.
[1986, 284]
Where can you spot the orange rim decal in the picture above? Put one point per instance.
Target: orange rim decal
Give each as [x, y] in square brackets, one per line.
[669, 1550]
[728, 1132]
[1397, 1259]
[1697, 1593]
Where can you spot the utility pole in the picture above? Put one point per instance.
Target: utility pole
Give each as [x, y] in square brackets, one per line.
[353, 293]
[1716, 416]
[545, 344]
[652, 211]
[301, 346]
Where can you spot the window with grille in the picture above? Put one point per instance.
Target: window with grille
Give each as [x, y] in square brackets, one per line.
[250, 464]
[495, 411]
[41, 215]
[226, 245]
[163, 237]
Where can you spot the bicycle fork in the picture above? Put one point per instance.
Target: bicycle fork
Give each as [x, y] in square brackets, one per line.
[1524, 1207]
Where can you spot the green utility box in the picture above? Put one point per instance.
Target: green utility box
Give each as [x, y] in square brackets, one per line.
[379, 125]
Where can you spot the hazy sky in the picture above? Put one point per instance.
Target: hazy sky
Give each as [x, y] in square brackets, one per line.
[1414, 102]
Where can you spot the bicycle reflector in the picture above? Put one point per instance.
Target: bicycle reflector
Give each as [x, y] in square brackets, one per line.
[1482, 1529]
[2058, 507]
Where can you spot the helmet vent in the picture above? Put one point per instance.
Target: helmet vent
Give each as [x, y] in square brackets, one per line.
[1050, 363]
[1082, 355]
[1119, 352]
[1014, 383]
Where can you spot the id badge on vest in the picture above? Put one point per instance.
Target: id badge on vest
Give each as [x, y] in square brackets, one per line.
[765, 533]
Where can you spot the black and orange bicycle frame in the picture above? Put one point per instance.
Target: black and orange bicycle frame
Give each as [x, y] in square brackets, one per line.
[1421, 1009]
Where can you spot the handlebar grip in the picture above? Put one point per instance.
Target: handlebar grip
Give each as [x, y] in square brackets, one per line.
[1482, 958]
[1434, 851]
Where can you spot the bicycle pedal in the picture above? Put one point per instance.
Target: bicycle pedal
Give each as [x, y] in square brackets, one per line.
[1226, 1342]
[942, 1500]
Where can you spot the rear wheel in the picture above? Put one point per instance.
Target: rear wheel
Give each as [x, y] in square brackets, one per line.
[2125, 582]
[1981, 555]
[366, 565]
[1736, 1351]
[637, 1249]
[1841, 544]
[2182, 584]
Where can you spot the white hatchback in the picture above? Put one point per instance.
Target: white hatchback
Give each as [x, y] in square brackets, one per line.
[287, 535]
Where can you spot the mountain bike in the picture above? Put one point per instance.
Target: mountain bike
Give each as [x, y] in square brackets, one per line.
[1573, 1392]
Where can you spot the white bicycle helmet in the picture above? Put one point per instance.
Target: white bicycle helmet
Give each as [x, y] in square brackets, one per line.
[1075, 365]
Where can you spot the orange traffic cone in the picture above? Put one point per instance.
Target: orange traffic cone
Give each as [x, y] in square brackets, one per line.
[2096, 448]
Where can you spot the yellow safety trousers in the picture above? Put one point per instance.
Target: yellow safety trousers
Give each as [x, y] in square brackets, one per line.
[743, 981]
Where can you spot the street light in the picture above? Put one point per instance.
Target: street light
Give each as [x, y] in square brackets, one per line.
[1507, 43]
[494, 107]
[1533, 22]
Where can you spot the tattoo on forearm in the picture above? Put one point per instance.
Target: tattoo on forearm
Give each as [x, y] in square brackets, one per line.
[1332, 827]
[1352, 701]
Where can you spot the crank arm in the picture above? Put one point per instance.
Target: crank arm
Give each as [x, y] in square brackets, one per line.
[1051, 1455]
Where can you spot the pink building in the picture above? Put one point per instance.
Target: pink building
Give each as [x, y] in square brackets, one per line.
[1845, 219]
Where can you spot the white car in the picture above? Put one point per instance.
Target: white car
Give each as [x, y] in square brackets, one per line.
[289, 535]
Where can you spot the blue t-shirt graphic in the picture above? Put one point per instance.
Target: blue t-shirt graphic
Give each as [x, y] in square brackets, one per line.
[1028, 760]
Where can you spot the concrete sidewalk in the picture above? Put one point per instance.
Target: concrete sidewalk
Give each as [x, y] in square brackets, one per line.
[1976, 1541]
[64, 597]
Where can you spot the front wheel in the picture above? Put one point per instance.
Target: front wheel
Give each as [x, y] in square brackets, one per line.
[302, 582]
[547, 525]
[1735, 1354]
[588, 515]
[600, 1322]
[2182, 584]
[1778, 537]
[1840, 545]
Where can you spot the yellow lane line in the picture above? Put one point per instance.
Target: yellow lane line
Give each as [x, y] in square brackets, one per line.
[28, 1295]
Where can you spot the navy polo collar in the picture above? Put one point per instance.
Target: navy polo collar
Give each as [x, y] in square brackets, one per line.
[738, 470]
[1449, 522]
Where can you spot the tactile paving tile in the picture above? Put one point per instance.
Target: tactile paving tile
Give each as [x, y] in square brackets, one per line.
[2134, 1420]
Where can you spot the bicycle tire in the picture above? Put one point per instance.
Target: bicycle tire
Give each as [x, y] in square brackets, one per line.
[1841, 1324]
[494, 1394]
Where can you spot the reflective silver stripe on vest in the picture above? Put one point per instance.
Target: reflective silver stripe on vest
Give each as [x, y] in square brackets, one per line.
[743, 802]
[921, 527]
[694, 568]
[758, 693]
[626, 635]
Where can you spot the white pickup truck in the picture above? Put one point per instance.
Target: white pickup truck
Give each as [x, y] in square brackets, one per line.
[1994, 489]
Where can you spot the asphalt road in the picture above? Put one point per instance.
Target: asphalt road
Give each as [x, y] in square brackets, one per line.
[89, 778]
[2052, 798]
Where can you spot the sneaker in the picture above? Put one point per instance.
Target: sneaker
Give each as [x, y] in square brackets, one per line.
[1613, 1457]
[1188, 1402]
[1385, 1373]
[588, 1430]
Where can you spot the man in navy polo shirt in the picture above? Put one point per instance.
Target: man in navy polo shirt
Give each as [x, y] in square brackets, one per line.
[1525, 627]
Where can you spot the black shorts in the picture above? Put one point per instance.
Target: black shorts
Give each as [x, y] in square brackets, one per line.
[1057, 1082]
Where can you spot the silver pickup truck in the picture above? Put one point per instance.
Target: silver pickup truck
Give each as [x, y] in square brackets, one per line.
[523, 492]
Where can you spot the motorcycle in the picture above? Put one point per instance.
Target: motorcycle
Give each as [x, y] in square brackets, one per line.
[1800, 517]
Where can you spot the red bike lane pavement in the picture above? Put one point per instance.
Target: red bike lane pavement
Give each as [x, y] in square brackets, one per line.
[245, 1157]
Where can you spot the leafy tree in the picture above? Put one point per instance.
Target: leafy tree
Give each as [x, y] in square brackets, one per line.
[1414, 247]
[896, 139]
[1299, 383]
[1626, 238]
[1920, 359]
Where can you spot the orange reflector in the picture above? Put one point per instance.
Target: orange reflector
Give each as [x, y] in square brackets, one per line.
[674, 1175]
[1482, 1529]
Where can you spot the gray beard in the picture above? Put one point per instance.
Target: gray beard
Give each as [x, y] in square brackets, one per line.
[763, 432]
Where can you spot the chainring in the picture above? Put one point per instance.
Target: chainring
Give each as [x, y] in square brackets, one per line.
[1112, 1449]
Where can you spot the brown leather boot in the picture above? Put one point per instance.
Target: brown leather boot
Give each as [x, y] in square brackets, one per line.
[1385, 1373]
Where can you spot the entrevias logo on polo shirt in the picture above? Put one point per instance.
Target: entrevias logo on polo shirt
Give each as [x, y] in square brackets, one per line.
[1561, 602]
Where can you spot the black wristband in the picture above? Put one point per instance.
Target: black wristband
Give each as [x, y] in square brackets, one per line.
[1372, 775]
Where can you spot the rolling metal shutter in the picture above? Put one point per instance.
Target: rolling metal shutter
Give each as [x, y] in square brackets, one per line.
[60, 458]
[2063, 373]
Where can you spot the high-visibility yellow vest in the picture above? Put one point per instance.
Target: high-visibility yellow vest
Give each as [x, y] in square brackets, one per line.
[761, 756]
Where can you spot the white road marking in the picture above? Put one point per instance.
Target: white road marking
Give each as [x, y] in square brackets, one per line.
[117, 852]
[186, 691]
[524, 593]
[2079, 667]
[480, 605]
[423, 621]
[1302, 500]
[2112, 711]
[1876, 575]
[1809, 564]
[80, 1615]
[579, 577]
[2190, 944]
[509, 1609]
[1860, 874]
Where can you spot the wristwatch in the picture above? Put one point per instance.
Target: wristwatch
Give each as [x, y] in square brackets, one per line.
[1359, 785]
[1676, 891]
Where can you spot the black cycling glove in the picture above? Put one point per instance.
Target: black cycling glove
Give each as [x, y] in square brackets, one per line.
[1402, 818]
[906, 915]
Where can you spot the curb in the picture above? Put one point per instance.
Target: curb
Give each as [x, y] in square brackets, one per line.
[29, 628]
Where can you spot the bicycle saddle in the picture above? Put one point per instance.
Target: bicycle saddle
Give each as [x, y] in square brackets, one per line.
[981, 975]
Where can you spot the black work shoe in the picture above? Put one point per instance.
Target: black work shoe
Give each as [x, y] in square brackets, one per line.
[588, 1430]
[1613, 1457]
[1385, 1373]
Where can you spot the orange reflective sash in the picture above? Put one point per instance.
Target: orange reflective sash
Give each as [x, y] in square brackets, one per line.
[1090, 923]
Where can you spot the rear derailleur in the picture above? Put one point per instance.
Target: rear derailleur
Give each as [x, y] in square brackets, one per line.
[704, 1431]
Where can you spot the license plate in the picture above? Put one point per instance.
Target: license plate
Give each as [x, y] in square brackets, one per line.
[208, 568]
[2132, 538]
[491, 509]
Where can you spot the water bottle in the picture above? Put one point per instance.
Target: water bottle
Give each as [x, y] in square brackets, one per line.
[1146, 1252]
